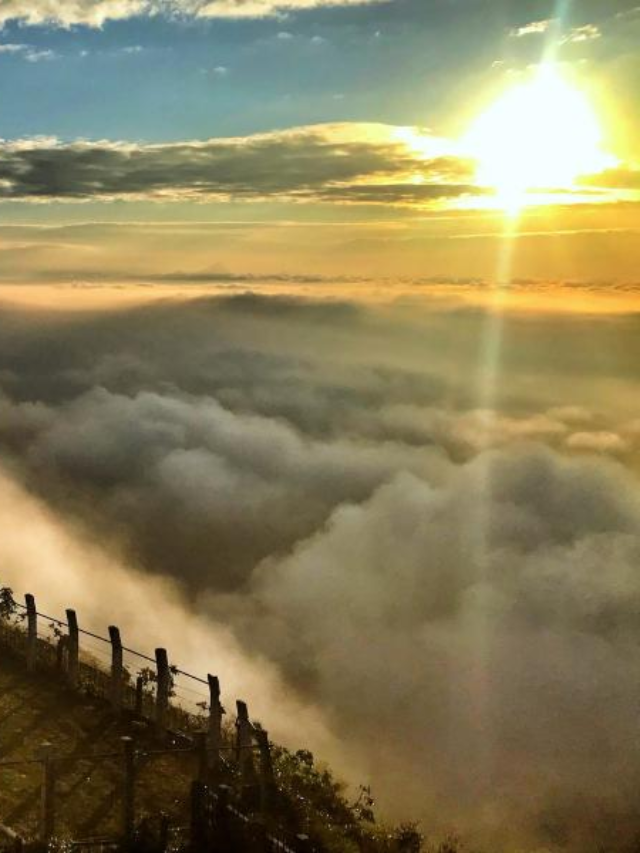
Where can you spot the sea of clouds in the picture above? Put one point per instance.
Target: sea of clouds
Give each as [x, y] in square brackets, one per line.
[427, 577]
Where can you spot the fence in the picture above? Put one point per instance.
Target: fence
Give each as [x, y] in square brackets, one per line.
[227, 776]
[106, 668]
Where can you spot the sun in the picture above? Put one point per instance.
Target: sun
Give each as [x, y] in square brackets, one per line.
[539, 135]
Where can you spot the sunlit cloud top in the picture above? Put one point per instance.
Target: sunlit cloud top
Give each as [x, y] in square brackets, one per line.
[95, 13]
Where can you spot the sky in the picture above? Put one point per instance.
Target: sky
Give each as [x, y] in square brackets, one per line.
[319, 359]
[264, 114]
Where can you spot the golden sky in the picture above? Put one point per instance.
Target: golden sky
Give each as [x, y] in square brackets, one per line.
[523, 137]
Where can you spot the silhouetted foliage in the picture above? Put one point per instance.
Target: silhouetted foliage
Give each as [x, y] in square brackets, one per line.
[312, 801]
[8, 607]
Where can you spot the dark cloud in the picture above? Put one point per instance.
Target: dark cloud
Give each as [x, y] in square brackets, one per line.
[303, 163]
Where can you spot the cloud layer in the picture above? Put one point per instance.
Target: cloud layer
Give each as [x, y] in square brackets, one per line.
[477, 635]
[358, 163]
[105, 588]
[94, 13]
[351, 162]
[452, 591]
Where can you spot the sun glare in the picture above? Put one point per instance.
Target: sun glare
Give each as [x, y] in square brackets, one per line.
[539, 135]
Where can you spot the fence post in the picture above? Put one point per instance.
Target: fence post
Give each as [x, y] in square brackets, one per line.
[244, 743]
[128, 790]
[73, 648]
[201, 756]
[116, 669]
[267, 779]
[163, 690]
[47, 799]
[223, 821]
[215, 723]
[32, 632]
[199, 834]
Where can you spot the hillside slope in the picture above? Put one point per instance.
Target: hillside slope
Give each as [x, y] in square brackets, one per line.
[302, 808]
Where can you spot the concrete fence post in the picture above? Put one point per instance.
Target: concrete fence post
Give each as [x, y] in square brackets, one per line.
[200, 747]
[224, 840]
[128, 790]
[216, 712]
[32, 633]
[244, 743]
[267, 778]
[163, 691]
[117, 671]
[199, 833]
[73, 649]
[47, 796]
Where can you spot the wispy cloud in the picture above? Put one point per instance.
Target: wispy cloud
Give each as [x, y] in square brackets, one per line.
[27, 52]
[533, 28]
[40, 55]
[588, 32]
[13, 48]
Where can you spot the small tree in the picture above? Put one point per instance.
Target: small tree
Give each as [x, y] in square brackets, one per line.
[8, 606]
